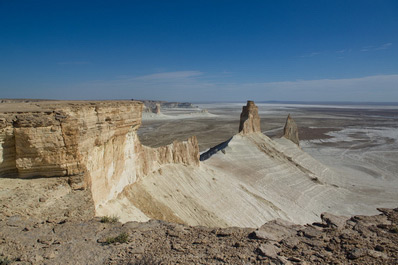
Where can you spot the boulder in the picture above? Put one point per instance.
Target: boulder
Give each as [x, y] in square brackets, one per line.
[334, 221]
[268, 250]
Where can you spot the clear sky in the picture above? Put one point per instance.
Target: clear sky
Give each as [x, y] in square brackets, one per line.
[200, 50]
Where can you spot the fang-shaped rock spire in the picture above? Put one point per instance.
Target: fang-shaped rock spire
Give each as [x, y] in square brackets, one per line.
[249, 119]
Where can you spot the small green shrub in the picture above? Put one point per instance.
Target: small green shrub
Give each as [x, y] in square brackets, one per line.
[394, 229]
[110, 219]
[4, 261]
[122, 238]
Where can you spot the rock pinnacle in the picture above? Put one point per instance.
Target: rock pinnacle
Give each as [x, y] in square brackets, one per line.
[291, 131]
[249, 119]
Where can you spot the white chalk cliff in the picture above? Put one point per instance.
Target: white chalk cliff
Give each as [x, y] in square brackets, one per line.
[245, 182]
[251, 179]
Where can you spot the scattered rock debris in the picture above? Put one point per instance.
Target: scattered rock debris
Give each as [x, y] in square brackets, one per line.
[337, 240]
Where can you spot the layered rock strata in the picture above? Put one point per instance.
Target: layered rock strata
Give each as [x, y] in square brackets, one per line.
[290, 131]
[93, 143]
[258, 177]
[249, 119]
[247, 181]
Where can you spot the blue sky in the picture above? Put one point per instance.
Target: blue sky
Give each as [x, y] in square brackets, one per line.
[200, 50]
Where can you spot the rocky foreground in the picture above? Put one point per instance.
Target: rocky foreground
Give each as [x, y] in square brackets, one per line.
[336, 240]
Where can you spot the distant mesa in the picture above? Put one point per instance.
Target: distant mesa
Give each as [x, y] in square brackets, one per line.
[22, 100]
[153, 109]
[186, 105]
[291, 131]
[249, 119]
[151, 104]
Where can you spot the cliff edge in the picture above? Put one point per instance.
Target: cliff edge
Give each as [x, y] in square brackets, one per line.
[93, 143]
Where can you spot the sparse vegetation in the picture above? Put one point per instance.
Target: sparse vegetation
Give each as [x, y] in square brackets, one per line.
[4, 261]
[121, 238]
[145, 260]
[110, 219]
[394, 229]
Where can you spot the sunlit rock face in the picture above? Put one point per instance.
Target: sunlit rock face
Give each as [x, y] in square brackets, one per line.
[290, 130]
[249, 119]
[93, 143]
[56, 140]
[246, 181]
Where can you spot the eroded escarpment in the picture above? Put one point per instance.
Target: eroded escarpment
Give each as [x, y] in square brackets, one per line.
[55, 139]
[94, 144]
[246, 181]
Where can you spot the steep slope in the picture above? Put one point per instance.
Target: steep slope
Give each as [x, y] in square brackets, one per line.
[93, 144]
[244, 182]
[248, 183]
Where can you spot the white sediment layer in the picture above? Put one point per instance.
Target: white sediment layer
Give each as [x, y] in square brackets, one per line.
[250, 182]
[367, 161]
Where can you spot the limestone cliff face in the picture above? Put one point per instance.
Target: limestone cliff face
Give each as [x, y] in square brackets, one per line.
[56, 140]
[249, 119]
[7, 150]
[93, 143]
[186, 152]
[291, 131]
[124, 161]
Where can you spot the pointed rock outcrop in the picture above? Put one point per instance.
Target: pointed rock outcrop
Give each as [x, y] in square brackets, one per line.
[249, 119]
[156, 109]
[291, 131]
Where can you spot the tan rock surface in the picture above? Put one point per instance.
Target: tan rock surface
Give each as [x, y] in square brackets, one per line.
[363, 240]
[290, 131]
[93, 143]
[249, 119]
[56, 140]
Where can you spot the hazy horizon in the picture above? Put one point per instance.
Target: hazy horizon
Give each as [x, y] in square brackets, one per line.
[196, 51]
[276, 102]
